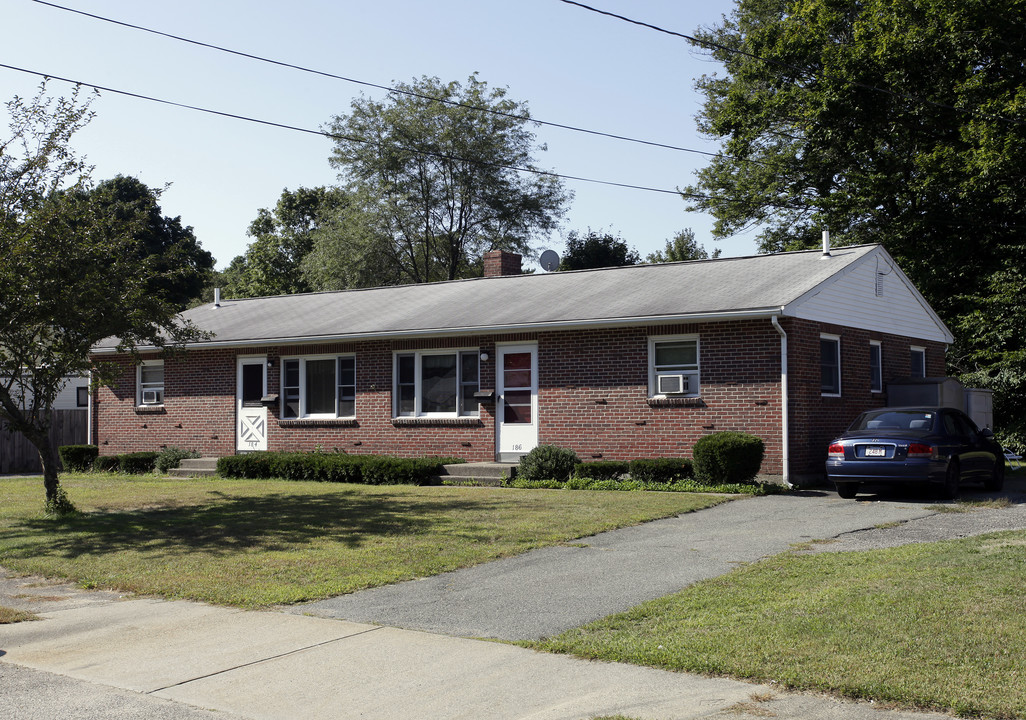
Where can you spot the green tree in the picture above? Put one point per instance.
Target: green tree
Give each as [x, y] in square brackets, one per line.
[596, 250]
[681, 247]
[892, 122]
[282, 238]
[77, 268]
[434, 178]
[178, 266]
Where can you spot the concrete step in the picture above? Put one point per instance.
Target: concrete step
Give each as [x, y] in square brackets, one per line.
[477, 473]
[195, 467]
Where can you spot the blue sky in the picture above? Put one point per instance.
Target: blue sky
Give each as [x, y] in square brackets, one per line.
[572, 67]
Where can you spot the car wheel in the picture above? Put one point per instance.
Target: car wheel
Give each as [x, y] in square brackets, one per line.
[847, 490]
[996, 481]
[949, 491]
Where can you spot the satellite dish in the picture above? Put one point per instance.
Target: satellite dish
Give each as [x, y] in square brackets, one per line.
[549, 260]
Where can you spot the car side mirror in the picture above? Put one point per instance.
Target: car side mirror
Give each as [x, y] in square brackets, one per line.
[987, 432]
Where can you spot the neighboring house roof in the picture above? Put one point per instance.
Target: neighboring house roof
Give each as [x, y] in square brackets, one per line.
[786, 284]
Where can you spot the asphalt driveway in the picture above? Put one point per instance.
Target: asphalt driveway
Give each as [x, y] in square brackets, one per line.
[547, 591]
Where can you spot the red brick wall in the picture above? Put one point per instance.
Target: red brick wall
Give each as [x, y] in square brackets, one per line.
[593, 396]
[814, 419]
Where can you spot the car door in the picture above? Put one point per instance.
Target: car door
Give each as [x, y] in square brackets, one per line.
[978, 460]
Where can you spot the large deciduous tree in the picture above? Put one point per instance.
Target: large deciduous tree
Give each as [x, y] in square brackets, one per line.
[282, 239]
[681, 247]
[592, 249]
[433, 180]
[894, 122]
[80, 264]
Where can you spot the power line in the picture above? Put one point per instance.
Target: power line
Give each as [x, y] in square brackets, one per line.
[336, 136]
[409, 93]
[797, 70]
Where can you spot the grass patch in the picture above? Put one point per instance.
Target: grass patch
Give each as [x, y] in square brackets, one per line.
[10, 615]
[939, 626]
[254, 543]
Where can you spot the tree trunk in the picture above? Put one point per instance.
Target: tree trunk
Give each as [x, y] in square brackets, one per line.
[50, 461]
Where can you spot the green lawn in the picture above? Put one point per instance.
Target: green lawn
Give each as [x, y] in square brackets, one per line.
[939, 626]
[253, 543]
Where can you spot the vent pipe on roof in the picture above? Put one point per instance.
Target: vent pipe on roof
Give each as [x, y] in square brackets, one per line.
[826, 243]
[217, 297]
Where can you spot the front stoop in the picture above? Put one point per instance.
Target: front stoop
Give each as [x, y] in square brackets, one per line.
[477, 473]
[195, 467]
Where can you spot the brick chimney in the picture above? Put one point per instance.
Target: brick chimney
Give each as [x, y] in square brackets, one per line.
[500, 262]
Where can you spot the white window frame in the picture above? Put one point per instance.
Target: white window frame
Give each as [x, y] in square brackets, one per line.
[912, 352]
[694, 374]
[836, 339]
[142, 388]
[419, 356]
[876, 374]
[303, 413]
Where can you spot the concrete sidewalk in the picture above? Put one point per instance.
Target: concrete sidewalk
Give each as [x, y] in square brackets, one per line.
[160, 659]
[280, 666]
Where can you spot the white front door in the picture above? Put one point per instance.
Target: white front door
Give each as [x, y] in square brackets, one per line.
[516, 380]
[251, 415]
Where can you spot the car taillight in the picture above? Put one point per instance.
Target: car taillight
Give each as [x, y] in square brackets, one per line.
[920, 450]
[836, 450]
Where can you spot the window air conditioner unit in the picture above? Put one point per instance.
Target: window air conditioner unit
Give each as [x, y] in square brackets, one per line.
[672, 384]
[151, 397]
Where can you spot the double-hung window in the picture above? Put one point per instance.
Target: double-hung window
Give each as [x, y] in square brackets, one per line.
[917, 362]
[830, 364]
[875, 366]
[150, 382]
[673, 369]
[318, 387]
[431, 383]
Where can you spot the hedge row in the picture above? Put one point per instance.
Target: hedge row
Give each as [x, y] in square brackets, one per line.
[331, 467]
[547, 463]
[80, 458]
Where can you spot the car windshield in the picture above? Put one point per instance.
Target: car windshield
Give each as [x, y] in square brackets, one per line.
[914, 420]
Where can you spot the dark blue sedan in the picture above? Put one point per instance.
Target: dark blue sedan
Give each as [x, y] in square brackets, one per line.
[937, 446]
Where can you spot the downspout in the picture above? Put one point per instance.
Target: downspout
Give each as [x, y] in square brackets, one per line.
[89, 412]
[785, 448]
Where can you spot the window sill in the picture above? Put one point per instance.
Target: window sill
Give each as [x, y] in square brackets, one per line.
[437, 422]
[322, 422]
[676, 402]
[150, 410]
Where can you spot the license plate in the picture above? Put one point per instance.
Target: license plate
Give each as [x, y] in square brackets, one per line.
[876, 452]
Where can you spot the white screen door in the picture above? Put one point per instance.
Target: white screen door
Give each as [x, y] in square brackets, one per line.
[516, 379]
[251, 386]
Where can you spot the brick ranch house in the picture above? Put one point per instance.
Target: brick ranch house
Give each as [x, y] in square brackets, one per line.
[616, 363]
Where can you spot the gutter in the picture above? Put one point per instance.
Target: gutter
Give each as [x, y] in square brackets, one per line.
[785, 447]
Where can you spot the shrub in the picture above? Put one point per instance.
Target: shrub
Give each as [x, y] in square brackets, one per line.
[547, 462]
[334, 467]
[107, 463]
[728, 457]
[171, 457]
[137, 462]
[661, 470]
[78, 458]
[602, 470]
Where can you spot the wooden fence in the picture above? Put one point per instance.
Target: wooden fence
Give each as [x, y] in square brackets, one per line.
[18, 455]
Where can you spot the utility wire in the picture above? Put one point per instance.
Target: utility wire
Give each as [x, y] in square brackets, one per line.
[797, 70]
[409, 93]
[348, 138]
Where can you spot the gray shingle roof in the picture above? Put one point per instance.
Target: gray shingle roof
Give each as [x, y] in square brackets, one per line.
[667, 292]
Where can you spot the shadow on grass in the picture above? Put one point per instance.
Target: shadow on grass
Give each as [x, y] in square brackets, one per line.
[230, 523]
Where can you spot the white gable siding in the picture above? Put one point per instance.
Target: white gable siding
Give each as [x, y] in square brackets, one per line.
[849, 298]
